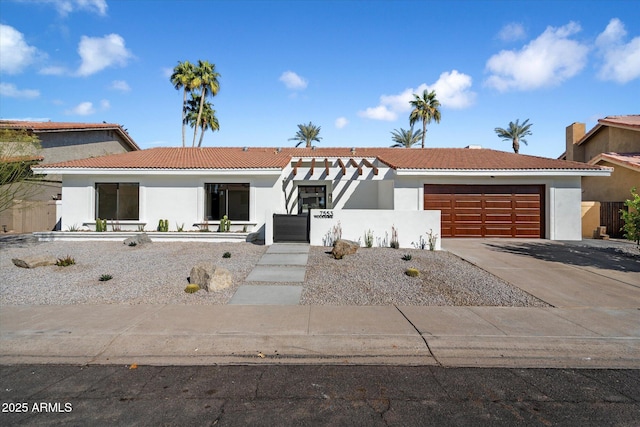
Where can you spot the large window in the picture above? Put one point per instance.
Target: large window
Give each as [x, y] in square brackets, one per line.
[231, 200]
[117, 201]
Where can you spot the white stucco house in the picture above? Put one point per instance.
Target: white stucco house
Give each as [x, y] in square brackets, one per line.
[282, 194]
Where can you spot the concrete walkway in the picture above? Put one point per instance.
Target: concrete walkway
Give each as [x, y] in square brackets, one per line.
[281, 270]
[595, 323]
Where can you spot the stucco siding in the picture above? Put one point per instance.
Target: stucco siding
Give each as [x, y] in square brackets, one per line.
[614, 188]
[610, 139]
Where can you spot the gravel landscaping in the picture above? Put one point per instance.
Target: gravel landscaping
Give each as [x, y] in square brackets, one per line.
[157, 274]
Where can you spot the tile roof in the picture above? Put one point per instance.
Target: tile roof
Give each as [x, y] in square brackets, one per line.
[67, 127]
[631, 160]
[275, 158]
[631, 121]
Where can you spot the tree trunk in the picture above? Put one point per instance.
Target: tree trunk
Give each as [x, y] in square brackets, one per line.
[516, 145]
[424, 131]
[184, 106]
[195, 130]
[201, 137]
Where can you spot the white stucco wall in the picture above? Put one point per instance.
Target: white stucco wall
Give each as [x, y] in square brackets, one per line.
[564, 209]
[354, 223]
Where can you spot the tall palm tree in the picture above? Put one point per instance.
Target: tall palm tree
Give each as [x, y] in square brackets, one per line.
[515, 133]
[405, 138]
[307, 134]
[209, 121]
[206, 79]
[425, 109]
[182, 78]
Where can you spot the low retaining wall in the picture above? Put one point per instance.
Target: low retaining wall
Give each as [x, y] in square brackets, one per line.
[155, 236]
[354, 223]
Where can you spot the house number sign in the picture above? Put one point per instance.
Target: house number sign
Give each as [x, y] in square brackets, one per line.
[324, 214]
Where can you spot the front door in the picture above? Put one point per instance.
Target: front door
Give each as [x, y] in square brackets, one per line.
[311, 197]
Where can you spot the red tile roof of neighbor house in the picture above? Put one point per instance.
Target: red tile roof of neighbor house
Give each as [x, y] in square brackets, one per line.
[38, 127]
[631, 121]
[276, 158]
[631, 160]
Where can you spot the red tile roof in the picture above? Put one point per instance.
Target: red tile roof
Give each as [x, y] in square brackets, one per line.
[631, 160]
[270, 158]
[37, 127]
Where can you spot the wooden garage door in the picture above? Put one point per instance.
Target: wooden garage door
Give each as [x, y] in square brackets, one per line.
[488, 210]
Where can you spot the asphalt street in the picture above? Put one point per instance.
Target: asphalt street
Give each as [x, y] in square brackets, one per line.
[272, 395]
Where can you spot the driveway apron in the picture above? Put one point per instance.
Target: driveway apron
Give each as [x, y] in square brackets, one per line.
[277, 278]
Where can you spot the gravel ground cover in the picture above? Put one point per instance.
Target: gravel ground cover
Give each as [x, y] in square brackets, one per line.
[157, 274]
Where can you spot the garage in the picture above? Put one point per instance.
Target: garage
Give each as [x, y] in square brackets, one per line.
[488, 210]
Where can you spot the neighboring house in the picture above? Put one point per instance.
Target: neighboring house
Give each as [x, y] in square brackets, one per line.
[614, 142]
[60, 142]
[479, 192]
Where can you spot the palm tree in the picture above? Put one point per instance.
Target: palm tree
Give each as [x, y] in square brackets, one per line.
[307, 134]
[205, 78]
[208, 121]
[425, 109]
[515, 133]
[182, 78]
[405, 138]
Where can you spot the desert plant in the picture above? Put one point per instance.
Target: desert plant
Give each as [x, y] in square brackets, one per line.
[73, 228]
[412, 272]
[105, 277]
[66, 261]
[180, 228]
[133, 244]
[140, 228]
[368, 238]
[204, 227]
[163, 225]
[631, 218]
[432, 238]
[333, 235]
[244, 228]
[225, 224]
[395, 244]
[101, 225]
[421, 244]
[192, 288]
[406, 257]
[115, 226]
[226, 255]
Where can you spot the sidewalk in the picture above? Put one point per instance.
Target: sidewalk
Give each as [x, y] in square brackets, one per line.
[595, 323]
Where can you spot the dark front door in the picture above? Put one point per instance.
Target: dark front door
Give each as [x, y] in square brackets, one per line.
[311, 197]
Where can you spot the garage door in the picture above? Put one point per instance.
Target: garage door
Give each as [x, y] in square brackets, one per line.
[488, 210]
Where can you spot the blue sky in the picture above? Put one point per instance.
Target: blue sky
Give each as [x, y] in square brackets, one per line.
[347, 66]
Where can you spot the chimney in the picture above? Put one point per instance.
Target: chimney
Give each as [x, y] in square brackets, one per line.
[574, 133]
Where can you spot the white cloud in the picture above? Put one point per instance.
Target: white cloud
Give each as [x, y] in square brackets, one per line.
[120, 85]
[546, 61]
[82, 109]
[11, 91]
[341, 122]
[621, 61]
[378, 113]
[16, 54]
[293, 81]
[105, 105]
[98, 53]
[65, 7]
[512, 32]
[452, 90]
[53, 71]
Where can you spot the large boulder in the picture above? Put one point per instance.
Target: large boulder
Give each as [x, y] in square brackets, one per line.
[343, 247]
[34, 261]
[209, 277]
[138, 239]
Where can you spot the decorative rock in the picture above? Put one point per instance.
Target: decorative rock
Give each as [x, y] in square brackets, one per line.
[209, 277]
[138, 239]
[344, 247]
[34, 261]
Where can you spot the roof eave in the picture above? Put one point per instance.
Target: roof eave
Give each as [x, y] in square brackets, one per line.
[504, 172]
[157, 171]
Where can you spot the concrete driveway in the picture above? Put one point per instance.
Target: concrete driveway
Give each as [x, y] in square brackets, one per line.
[563, 274]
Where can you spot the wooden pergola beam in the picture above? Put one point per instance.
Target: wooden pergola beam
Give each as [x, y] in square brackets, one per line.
[355, 165]
[326, 166]
[313, 165]
[342, 166]
[368, 164]
[295, 168]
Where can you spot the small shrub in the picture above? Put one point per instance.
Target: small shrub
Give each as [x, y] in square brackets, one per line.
[133, 244]
[225, 224]
[180, 228]
[412, 272]
[101, 225]
[105, 277]
[73, 228]
[631, 217]
[192, 288]
[421, 244]
[433, 238]
[66, 261]
[406, 257]
[368, 238]
[163, 225]
[226, 255]
[395, 244]
[140, 228]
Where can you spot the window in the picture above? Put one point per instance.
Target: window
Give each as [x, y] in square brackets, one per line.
[117, 201]
[231, 200]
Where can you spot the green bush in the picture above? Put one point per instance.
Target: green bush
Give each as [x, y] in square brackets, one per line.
[101, 225]
[226, 255]
[66, 261]
[412, 272]
[163, 225]
[105, 277]
[406, 257]
[192, 288]
[631, 218]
